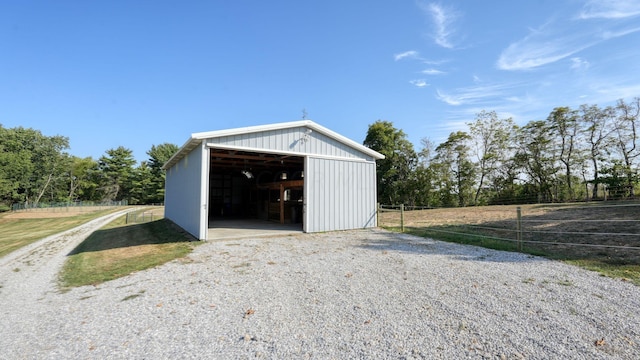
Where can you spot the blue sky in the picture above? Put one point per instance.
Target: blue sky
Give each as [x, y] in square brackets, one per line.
[139, 73]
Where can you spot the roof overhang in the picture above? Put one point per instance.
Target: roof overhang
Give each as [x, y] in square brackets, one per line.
[197, 138]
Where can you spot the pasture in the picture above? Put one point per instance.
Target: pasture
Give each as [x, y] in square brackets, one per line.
[599, 236]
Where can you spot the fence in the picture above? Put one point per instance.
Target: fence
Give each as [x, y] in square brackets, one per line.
[145, 215]
[77, 206]
[611, 231]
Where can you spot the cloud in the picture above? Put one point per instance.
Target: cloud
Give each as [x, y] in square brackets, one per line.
[606, 35]
[561, 38]
[540, 48]
[472, 95]
[610, 9]
[442, 19]
[432, 72]
[579, 64]
[411, 54]
[419, 83]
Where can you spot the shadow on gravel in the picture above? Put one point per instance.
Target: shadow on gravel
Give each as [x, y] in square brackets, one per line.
[155, 232]
[455, 251]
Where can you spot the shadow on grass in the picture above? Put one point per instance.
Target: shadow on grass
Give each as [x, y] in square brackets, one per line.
[160, 231]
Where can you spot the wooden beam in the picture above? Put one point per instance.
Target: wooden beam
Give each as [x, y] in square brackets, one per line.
[281, 203]
[290, 184]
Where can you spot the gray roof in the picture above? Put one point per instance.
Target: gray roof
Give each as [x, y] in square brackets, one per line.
[197, 138]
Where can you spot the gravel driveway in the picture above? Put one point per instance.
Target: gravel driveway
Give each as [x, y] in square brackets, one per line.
[354, 294]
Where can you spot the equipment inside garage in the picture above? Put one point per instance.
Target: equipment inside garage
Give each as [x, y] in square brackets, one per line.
[249, 185]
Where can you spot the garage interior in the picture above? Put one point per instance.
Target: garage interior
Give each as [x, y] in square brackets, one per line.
[246, 187]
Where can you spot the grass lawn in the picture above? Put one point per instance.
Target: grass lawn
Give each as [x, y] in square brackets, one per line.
[18, 232]
[119, 249]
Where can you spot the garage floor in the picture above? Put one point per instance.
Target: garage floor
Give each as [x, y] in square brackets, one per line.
[242, 228]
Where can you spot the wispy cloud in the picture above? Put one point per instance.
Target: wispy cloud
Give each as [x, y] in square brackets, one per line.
[432, 72]
[579, 63]
[562, 38]
[419, 82]
[411, 54]
[473, 94]
[442, 19]
[610, 9]
[606, 35]
[540, 48]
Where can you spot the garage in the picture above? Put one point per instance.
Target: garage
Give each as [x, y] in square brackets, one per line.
[295, 175]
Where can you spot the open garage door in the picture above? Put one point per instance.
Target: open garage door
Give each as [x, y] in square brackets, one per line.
[267, 188]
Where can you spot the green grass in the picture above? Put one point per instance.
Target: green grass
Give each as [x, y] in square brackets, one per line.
[627, 272]
[614, 269]
[119, 249]
[16, 233]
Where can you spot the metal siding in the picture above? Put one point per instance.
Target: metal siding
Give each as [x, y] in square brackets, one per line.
[290, 140]
[340, 195]
[183, 189]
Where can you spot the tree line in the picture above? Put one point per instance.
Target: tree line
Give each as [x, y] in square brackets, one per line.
[587, 153]
[35, 168]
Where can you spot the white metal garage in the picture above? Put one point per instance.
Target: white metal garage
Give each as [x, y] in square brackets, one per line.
[295, 173]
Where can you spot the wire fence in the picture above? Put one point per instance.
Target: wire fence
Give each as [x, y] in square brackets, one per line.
[578, 231]
[77, 206]
[144, 215]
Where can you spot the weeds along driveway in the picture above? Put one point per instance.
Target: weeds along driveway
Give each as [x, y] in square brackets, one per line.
[354, 294]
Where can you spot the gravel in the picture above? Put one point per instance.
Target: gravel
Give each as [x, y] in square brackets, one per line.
[352, 294]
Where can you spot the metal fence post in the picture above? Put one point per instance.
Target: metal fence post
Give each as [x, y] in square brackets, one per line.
[401, 217]
[519, 228]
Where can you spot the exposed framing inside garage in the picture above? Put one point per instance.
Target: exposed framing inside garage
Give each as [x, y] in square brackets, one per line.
[255, 185]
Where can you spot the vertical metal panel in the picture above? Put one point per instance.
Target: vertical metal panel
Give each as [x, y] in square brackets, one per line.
[340, 194]
[183, 193]
[291, 140]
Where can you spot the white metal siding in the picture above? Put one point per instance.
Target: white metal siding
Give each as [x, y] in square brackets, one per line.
[183, 193]
[291, 140]
[340, 194]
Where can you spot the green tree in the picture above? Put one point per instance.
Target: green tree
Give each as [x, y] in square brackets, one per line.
[625, 124]
[398, 165]
[457, 171]
[30, 164]
[596, 133]
[80, 175]
[116, 173]
[536, 157]
[141, 188]
[491, 139]
[564, 124]
[158, 155]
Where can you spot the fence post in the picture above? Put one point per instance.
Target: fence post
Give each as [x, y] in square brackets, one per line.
[401, 217]
[519, 228]
[377, 214]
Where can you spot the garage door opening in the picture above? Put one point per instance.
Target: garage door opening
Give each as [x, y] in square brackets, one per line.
[264, 188]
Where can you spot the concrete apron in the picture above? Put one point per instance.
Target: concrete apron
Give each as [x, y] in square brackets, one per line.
[222, 229]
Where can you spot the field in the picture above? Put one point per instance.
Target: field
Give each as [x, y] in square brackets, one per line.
[54, 212]
[594, 235]
[18, 229]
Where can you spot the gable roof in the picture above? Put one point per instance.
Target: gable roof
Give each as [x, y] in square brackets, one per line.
[197, 138]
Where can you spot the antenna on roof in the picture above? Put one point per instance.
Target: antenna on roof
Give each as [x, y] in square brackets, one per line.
[304, 114]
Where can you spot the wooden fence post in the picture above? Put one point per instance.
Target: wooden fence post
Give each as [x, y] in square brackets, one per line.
[519, 228]
[401, 217]
[377, 214]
